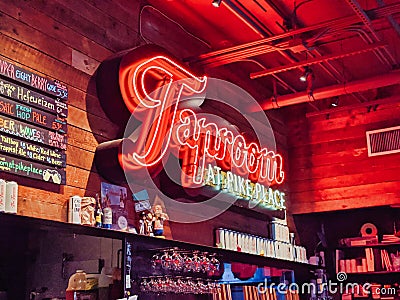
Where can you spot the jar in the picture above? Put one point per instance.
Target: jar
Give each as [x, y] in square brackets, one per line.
[77, 281]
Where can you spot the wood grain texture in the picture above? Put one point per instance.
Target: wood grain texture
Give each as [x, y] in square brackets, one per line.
[27, 15]
[38, 62]
[16, 30]
[93, 17]
[330, 168]
[65, 40]
[32, 38]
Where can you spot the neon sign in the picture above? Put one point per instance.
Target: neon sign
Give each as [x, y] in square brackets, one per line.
[153, 87]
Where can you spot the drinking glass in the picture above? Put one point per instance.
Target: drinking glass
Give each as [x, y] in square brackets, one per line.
[187, 262]
[166, 260]
[214, 265]
[177, 262]
[156, 260]
[196, 262]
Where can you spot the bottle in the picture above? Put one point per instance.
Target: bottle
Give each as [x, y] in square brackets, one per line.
[11, 197]
[99, 213]
[121, 200]
[74, 210]
[107, 213]
[121, 217]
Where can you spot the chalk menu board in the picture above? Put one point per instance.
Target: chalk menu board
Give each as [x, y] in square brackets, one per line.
[33, 124]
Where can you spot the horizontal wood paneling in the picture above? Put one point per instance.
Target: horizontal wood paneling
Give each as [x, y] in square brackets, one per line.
[71, 17]
[117, 36]
[66, 40]
[34, 60]
[32, 35]
[348, 192]
[356, 166]
[86, 121]
[354, 202]
[34, 19]
[347, 179]
[17, 30]
[330, 168]
[80, 157]
[86, 102]
[385, 112]
[126, 12]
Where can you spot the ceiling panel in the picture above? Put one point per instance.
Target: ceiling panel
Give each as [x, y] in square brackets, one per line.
[247, 36]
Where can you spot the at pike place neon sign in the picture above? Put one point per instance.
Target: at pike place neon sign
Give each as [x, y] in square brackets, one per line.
[210, 154]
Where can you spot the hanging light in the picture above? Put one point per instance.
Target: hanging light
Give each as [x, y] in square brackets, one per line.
[216, 3]
[307, 72]
[335, 102]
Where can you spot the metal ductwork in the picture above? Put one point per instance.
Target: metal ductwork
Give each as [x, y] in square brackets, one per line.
[386, 79]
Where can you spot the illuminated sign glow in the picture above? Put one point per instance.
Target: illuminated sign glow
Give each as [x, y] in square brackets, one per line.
[201, 140]
[154, 89]
[243, 188]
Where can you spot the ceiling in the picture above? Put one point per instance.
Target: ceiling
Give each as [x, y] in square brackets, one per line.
[350, 49]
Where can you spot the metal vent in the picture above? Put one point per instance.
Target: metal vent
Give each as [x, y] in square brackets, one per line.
[383, 141]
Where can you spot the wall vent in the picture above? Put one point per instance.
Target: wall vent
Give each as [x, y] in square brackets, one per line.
[383, 141]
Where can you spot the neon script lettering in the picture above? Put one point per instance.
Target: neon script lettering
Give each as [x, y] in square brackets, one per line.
[208, 141]
[161, 113]
[199, 140]
[155, 90]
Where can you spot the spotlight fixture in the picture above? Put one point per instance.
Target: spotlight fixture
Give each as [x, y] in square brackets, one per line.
[335, 102]
[307, 72]
[216, 3]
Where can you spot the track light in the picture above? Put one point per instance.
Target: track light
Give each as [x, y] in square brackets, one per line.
[335, 102]
[307, 72]
[308, 77]
[216, 3]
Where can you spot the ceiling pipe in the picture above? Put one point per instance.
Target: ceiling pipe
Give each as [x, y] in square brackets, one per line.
[248, 49]
[373, 103]
[367, 22]
[286, 55]
[254, 26]
[249, 17]
[368, 40]
[313, 61]
[252, 50]
[383, 80]
[390, 18]
[330, 69]
[279, 80]
[265, 42]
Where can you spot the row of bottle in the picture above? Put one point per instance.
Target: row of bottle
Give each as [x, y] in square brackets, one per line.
[243, 242]
[102, 216]
[8, 196]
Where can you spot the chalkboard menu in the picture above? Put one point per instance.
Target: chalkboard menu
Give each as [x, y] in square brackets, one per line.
[33, 124]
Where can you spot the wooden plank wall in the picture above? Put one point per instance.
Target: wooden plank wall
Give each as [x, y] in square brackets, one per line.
[67, 43]
[66, 40]
[330, 168]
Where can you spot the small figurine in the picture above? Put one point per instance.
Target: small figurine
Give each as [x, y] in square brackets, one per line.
[142, 224]
[149, 224]
[159, 218]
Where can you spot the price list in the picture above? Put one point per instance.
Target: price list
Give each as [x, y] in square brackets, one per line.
[33, 124]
